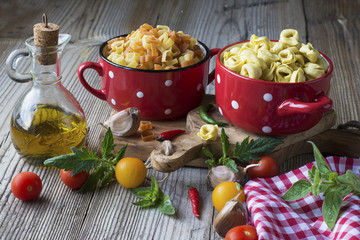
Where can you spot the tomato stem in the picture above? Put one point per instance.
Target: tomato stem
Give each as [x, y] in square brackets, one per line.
[251, 165]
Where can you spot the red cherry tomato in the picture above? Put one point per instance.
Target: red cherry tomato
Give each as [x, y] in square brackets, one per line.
[73, 182]
[244, 232]
[268, 168]
[26, 186]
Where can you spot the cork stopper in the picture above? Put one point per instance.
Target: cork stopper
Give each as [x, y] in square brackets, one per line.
[46, 35]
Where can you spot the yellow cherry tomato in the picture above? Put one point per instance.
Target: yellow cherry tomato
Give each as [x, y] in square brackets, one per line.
[224, 192]
[130, 172]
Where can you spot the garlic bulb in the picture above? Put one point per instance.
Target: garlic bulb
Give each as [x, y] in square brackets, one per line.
[233, 214]
[222, 173]
[124, 123]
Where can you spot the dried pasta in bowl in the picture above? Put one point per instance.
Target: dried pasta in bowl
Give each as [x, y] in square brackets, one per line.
[151, 48]
[285, 61]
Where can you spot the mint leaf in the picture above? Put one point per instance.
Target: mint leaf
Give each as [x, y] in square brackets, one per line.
[141, 192]
[298, 190]
[153, 197]
[144, 203]
[166, 206]
[238, 186]
[320, 160]
[316, 183]
[107, 144]
[331, 207]
[154, 185]
[311, 173]
[354, 179]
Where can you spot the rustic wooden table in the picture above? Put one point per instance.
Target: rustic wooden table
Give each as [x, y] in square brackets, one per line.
[60, 213]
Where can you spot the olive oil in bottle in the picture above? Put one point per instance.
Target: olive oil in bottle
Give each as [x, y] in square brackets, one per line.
[47, 120]
[46, 132]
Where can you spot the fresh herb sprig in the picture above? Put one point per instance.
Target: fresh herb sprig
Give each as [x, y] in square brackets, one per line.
[245, 151]
[333, 186]
[153, 197]
[101, 169]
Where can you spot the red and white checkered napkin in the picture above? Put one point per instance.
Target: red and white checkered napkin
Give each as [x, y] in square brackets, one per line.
[275, 218]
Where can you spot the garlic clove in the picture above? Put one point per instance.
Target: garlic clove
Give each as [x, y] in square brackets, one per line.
[124, 123]
[233, 214]
[219, 174]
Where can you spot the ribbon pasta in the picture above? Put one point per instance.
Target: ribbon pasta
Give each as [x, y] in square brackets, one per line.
[287, 60]
[151, 48]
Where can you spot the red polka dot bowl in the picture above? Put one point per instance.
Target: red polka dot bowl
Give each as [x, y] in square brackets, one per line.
[158, 94]
[271, 108]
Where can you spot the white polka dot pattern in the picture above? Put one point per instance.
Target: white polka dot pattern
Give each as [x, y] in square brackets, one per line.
[218, 79]
[266, 129]
[199, 87]
[168, 83]
[235, 104]
[113, 101]
[111, 74]
[268, 97]
[140, 94]
[167, 111]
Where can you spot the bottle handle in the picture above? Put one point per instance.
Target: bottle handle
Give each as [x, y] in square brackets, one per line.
[11, 64]
[98, 68]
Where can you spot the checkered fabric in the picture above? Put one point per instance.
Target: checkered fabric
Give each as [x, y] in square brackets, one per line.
[275, 218]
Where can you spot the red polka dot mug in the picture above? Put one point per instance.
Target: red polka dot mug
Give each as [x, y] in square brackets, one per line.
[158, 94]
[271, 108]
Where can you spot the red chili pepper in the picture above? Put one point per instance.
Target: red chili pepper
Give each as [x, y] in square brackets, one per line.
[169, 134]
[195, 200]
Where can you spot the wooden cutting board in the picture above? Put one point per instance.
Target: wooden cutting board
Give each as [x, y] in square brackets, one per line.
[188, 145]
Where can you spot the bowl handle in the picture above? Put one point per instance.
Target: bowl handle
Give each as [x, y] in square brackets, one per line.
[213, 52]
[292, 106]
[98, 68]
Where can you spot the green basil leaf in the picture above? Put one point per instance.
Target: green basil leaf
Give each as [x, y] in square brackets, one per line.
[144, 203]
[238, 186]
[298, 190]
[320, 160]
[331, 207]
[166, 206]
[107, 144]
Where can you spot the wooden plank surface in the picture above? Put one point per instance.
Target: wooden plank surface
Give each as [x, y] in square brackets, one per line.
[332, 26]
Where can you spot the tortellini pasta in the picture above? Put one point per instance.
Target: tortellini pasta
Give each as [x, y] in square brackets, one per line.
[287, 60]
